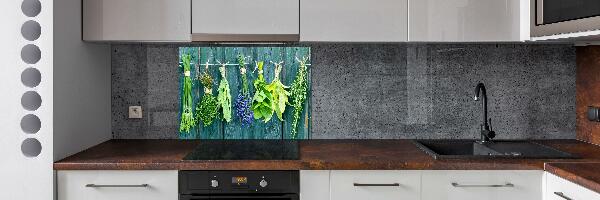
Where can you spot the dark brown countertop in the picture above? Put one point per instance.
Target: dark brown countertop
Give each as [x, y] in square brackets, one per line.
[314, 154]
[584, 174]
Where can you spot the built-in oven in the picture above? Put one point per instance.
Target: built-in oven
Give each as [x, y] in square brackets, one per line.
[238, 185]
[552, 17]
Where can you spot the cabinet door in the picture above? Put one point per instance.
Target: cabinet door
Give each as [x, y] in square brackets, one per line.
[136, 20]
[468, 21]
[482, 185]
[375, 185]
[560, 189]
[245, 20]
[117, 185]
[314, 185]
[353, 20]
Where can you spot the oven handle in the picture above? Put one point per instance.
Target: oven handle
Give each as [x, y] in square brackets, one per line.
[285, 196]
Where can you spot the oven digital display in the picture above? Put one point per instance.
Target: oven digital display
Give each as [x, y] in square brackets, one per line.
[239, 180]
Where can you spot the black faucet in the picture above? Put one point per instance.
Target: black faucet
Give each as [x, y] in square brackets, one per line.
[487, 134]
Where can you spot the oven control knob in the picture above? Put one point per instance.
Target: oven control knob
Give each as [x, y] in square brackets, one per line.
[214, 183]
[263, 183]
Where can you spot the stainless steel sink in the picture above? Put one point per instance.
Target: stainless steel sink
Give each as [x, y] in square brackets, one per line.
[469, 149]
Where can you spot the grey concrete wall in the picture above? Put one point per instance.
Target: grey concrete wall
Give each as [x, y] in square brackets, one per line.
[374, 91]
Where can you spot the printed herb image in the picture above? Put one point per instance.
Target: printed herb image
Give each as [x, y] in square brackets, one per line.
[243, 100]
[262, 103]
[298, 95]
[250, 92]
[278, 92]
[224, 96]
[207, 109]
[187, 118]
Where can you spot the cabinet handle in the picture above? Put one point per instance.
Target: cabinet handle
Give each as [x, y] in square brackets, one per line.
[376, 184]
[469, 186]
[115, 186]
[562, 195]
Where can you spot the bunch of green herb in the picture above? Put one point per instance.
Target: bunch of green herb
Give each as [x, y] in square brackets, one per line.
[224, 96]
[207, 108]
[298, 95]
[187, 119]
[278, 92]
[262, 103]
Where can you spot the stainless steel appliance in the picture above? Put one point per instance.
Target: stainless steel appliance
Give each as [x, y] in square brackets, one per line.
[238, 185]
[552, 17]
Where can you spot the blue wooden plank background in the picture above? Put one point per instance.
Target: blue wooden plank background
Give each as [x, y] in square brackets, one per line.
[275, 128]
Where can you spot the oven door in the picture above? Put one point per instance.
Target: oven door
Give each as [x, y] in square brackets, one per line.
[239, 197]
[552, 17]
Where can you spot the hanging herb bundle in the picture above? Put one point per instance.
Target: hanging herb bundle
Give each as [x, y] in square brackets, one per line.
[224, 96]
[187, 118]
[243, 101]
[278, 92]
[262, 103]
[298, 95]
[206, 109]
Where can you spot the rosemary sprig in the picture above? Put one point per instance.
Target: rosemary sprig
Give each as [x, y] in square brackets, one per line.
[298, 95]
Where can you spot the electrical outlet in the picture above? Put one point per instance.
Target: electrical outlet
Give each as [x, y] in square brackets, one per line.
[135, 112]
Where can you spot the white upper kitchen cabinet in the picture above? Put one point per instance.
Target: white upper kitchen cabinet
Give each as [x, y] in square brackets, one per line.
[468, 20]
[353, 20]
[137, 20]
[245, 20]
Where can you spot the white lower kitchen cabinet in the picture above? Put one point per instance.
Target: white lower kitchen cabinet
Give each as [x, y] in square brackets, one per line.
[560, 189]
[117, 185]
[314, 184]
[482, 185]
[375, 185]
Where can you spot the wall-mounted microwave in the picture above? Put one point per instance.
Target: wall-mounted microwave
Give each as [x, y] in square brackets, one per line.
[552, 17]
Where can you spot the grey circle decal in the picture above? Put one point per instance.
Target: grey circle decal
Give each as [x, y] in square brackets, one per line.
[31, 30]
[31, 124]
[31, 147]
[31, 54]
[31, 8]
[31, 100]
[31, 77]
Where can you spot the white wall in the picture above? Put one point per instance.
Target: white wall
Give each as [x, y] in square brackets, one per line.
[23, 177]
[82, 86]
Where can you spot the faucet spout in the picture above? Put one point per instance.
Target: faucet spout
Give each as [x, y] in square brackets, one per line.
[486, 133]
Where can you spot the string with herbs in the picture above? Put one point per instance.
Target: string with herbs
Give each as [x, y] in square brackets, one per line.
[298, 95]
[262, 102]
[243, 100]
[187, 118]
[278, 92]
[207, 108]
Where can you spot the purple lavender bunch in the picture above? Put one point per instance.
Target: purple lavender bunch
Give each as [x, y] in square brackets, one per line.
[242, 109]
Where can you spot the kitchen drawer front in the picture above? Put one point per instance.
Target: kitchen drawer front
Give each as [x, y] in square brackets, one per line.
[560, 189]
[136, 20]
[482, 185]
[314, 184]
[244, 17]
[393, 185]
[117, 185]
[468, 21]
[354, 20]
